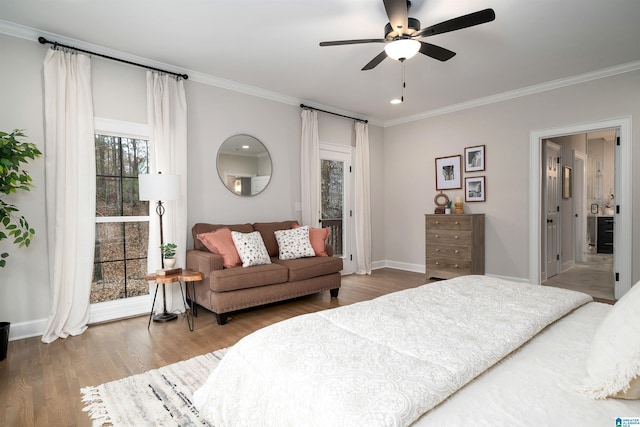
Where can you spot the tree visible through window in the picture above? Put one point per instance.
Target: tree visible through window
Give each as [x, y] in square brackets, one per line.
[122, 221]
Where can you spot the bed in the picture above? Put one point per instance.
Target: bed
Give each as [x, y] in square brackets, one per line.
[473, 349]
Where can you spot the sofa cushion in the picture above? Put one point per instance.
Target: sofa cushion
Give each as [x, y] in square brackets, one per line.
[306, 268]
[220, 242]
[202, 227]
[294, 243]
[267, 230]
[318, 238]
[250, 248]
[232, 279]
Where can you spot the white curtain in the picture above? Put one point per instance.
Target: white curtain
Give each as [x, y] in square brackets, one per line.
[310, 169]
[70, 171]
[362, 202]
[167, 116]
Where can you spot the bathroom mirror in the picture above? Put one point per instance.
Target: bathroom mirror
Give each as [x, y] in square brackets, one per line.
[244, 165]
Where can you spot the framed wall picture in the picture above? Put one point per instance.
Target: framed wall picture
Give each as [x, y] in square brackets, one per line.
[474, 158]
[448, 172]
[475, 189]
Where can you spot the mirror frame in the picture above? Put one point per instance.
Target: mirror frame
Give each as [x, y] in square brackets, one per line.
[255, 150]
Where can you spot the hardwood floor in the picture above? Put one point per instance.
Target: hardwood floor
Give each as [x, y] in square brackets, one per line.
[40, 383]
[594, 277]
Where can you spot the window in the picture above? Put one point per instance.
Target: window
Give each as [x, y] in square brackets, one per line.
[122, 221]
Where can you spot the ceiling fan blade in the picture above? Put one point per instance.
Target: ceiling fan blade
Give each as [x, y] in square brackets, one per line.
[465, 21]
[398, 13]
[375, 61]
[343, 42]
[436, 52]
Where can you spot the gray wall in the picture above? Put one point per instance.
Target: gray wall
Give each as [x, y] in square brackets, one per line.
[504, 127]
[214, 114]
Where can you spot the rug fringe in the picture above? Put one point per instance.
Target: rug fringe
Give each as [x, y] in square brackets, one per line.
[95, 407]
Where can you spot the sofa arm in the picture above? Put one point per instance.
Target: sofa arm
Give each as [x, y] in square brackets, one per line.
[204, 262]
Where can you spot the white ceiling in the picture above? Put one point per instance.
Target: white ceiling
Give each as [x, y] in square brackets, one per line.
[272, 46]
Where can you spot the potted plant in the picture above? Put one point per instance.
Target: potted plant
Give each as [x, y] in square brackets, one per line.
[13, 153]
[168, 254]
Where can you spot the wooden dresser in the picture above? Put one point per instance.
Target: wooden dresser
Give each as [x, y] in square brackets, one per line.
[454, 245]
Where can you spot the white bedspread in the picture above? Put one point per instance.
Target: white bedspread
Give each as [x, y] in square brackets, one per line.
[378, 363]
[536, 385]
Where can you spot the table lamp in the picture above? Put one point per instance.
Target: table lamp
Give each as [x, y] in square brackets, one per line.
[159, 187]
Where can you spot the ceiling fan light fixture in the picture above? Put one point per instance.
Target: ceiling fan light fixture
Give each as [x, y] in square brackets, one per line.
[402, 49]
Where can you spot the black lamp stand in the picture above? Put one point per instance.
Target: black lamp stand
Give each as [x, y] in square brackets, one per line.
[165, 316]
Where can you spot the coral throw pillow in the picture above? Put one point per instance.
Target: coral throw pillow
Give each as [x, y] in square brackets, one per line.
[220, 242]
[318, 238]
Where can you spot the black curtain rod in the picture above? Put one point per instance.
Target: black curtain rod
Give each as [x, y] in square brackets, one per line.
[42, 40]
[335, 114]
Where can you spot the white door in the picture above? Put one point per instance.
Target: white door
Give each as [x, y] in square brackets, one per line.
[552, 208]
[617, 289]
[335, 194]
[579, 205]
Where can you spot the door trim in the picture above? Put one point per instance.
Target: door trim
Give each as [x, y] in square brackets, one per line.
[623, 219]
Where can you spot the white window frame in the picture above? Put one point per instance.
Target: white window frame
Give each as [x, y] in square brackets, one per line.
[124, 307]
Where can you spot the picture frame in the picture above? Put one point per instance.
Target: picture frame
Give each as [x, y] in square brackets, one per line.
[449, 172]
[567, 182]
[474, 158]
[475, 189]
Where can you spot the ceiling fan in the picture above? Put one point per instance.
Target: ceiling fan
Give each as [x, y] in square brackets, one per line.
[402, 32]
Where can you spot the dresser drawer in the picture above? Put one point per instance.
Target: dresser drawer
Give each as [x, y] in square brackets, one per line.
[449, 237]
[449, 222]
[453, 265]
[450, 251]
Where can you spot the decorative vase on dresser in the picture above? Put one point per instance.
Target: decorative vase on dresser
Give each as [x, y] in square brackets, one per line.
[454, 245]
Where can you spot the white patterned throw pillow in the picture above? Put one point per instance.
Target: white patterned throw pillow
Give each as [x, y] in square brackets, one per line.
[251, 248]
[294, 243]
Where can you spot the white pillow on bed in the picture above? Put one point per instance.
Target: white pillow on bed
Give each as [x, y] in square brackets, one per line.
[613, 364]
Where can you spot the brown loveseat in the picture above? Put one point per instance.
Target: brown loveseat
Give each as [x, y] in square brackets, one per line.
[224, 290]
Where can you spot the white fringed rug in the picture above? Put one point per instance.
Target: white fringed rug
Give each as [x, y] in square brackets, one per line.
[160, 397]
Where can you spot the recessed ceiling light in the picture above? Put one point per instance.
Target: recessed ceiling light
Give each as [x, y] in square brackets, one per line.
[246, 147]
[396, 101]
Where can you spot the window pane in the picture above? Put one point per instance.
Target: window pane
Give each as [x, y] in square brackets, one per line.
[108, 197]
[107, 155]
[135, 156]
[109, 241]
[136, 240]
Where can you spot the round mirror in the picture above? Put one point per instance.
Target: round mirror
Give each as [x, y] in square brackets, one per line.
[244, 165]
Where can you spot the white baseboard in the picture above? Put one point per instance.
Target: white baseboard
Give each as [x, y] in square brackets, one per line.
[417, 268]
[32, 328]
[99, 312]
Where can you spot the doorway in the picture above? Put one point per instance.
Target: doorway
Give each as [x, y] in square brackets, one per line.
[336, 200]
[621, 271]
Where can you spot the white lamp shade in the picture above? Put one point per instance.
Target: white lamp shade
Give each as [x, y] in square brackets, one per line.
[403, 48]
[158, 186]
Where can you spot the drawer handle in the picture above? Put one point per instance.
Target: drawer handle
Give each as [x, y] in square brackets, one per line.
[457, 223]
[437, 249]
[455, 237]
[456, 251]
[455, 266]
[437, 222]
[437, 236]
[437, 263]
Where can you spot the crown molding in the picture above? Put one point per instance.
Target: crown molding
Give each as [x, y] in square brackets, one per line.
[32, 34]
[525, 91]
